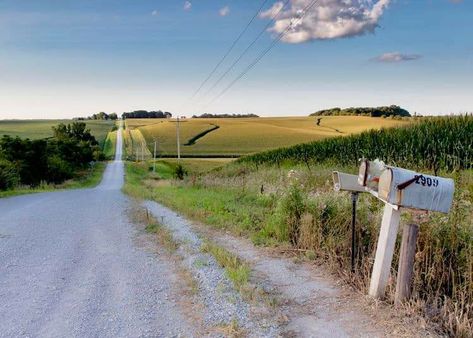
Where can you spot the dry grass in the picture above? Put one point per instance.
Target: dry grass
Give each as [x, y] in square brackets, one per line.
[232, 330]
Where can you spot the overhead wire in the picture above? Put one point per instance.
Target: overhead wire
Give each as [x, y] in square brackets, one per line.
[227, 53]
[265, 52]
[246, 50]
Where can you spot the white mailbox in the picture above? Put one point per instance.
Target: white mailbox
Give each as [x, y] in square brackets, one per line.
[369, 173]
[409, 189]
[346, 182]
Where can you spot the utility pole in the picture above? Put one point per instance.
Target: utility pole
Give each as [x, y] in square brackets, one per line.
[154, 155]
[142, 151]
[178, 140]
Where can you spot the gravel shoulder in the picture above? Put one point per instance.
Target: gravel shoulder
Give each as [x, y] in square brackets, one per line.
[311, 302]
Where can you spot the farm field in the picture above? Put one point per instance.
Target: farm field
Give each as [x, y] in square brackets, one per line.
[285, 198]
[249, 135]
[37, 129]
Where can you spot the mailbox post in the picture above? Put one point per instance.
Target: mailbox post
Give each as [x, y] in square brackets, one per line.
[397, 188]
[348, 182]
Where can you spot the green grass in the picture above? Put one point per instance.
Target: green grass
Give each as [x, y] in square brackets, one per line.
[85, 179]
[249, 135]
[109, 145]
[38, 129]
[299, 209]
[236, 270]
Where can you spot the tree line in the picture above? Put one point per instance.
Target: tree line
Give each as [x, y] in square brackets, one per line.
[53, 160]
[217, 116]
[102, 116]
[144, 114]
[385, 111]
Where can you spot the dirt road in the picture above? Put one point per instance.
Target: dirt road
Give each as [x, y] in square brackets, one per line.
[70, 267]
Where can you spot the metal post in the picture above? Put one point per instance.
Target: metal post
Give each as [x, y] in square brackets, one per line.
[154, 156]
[178, 140]
[354, 199]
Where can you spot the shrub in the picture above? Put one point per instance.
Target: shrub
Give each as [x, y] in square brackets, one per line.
[59, 170]
[180, 172]
[9, 176]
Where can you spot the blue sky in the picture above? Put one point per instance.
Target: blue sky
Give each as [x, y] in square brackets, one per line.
[64, 58]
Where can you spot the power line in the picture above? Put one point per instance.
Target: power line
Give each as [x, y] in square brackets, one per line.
[238, 59]
[266, 51]
[230, 49]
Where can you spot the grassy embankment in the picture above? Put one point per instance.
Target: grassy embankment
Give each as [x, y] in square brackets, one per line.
[236, 137]
[290, 203]
[38, 129]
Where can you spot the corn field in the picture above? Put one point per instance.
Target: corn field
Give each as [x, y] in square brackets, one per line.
[438, 143]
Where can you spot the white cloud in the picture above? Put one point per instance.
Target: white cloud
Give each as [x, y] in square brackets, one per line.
[155, 13]
[187, 6]
[327, 19]
[397, 57]
[224, 11]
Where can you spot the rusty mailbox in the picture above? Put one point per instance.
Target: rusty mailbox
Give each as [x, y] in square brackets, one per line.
[406, 188]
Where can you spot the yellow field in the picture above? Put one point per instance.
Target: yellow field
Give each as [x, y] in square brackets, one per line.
[244, 136]
[135, 145]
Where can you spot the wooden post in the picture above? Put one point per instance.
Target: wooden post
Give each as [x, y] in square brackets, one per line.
[406, 263]
[384, 251]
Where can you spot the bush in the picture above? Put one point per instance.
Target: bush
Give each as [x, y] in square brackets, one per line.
[59, 170]
[9, 176]
[180, 172]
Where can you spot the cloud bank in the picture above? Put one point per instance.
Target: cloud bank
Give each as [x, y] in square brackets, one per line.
[397, 57]
[327, 19]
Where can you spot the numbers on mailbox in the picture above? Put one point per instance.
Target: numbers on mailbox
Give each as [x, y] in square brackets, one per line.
[427, 181]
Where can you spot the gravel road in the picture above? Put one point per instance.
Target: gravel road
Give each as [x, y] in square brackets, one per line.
[70, 267]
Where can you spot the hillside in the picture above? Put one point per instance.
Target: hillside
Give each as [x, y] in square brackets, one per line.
[249, 135]
[442, 143]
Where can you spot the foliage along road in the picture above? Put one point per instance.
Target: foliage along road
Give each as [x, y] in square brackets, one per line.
[70, 266]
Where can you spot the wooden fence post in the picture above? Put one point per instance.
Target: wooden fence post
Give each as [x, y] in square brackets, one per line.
[406, 263]
[384, 251]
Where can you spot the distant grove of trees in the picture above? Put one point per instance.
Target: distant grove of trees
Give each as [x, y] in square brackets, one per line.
[216, 116]
[99, 116]
[144, 114]
[385, 111]
[53, 160]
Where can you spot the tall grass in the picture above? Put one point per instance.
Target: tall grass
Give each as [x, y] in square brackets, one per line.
[442, 143]
[299, 209]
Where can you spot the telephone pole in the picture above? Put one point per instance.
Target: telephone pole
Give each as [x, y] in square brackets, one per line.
[154, 155]
[142, 151]
[178, 140]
